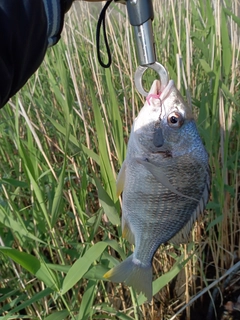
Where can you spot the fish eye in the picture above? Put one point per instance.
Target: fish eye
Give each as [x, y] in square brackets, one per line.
[175, 120]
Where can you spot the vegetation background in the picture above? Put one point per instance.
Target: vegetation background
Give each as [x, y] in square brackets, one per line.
[63, 140]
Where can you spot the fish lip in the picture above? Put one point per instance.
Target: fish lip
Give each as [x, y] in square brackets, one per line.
[166, 91]
[160, 91]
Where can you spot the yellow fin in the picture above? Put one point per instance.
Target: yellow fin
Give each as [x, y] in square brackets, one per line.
[134, 274]
[108, 274]
[121, 179]
[127, 233]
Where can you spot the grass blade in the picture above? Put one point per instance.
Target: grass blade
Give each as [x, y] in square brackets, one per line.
[33, 265]
[81, 266]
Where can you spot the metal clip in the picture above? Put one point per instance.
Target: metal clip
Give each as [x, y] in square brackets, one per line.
[156, 66]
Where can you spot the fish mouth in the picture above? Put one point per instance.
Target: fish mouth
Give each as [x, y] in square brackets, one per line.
[165, 91]
[160, 91]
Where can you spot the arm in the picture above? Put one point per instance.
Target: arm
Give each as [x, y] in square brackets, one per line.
[23, 43]
[28, 28]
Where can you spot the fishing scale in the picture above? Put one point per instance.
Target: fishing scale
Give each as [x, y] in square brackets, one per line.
[140, 13]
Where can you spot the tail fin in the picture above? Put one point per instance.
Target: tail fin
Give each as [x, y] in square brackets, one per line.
[133, 274]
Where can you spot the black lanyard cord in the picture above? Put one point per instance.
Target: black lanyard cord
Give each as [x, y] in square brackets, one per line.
[101, 22]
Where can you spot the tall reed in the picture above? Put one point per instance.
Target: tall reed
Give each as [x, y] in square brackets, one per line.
[63, 140]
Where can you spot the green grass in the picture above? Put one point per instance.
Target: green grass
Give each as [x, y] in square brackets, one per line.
[63, 140]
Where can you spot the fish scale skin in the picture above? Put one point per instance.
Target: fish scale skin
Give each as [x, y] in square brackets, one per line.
[166, 185]
[158, 212]
[166, 212]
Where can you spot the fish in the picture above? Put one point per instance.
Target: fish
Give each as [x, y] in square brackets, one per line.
[164, 181]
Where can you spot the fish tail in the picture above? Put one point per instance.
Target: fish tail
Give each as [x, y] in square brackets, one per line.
[133, 273]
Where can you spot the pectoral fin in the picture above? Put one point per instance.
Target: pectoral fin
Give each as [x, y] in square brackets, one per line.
[121, 179]
[161, 177]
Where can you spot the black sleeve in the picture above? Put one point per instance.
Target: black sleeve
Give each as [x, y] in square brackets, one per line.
[27, 29]
[23, 43]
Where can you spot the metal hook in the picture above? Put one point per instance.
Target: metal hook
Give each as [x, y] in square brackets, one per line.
[156, 66]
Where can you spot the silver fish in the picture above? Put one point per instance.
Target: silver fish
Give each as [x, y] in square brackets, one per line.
[165, 180]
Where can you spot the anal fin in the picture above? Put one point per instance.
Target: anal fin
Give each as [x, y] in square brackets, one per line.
[126, 232]
[121, 179]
